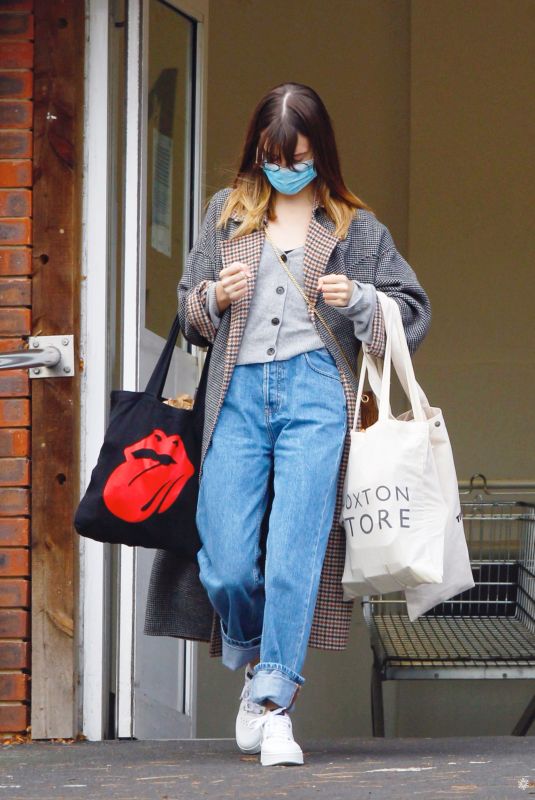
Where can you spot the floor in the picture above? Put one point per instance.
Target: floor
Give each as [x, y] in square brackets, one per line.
[486, 768]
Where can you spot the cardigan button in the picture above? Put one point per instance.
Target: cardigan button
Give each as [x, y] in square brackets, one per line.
[275, 321]
[280, 290]
[270, 351]
[284, 257]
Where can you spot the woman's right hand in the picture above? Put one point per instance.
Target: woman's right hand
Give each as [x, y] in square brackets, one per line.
[232, 284]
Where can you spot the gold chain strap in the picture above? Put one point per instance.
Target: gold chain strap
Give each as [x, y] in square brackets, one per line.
[310, 306]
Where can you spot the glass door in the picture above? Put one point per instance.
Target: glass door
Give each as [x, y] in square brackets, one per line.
[156, 674]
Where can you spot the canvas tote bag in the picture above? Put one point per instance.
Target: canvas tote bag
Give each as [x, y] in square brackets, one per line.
[457, 571]
[394, 512]
[143, 490]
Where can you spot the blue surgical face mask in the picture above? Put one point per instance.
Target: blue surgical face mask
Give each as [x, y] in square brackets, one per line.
[287, 180]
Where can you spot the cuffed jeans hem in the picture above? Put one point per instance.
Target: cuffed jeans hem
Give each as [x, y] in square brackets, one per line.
[236, 654]
[273, 682]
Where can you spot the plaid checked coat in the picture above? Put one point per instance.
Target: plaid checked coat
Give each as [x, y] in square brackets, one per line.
[177, 604]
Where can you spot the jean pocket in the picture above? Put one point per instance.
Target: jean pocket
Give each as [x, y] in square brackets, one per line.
[321, 361]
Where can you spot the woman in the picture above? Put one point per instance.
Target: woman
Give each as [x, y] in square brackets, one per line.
[281, 397]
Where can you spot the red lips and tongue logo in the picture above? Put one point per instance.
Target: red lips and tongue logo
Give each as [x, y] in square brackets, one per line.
[151, 477]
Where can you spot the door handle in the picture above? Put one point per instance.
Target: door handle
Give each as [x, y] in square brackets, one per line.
[46, 357]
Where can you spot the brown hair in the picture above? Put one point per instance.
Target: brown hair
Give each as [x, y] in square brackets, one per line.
[283, 113]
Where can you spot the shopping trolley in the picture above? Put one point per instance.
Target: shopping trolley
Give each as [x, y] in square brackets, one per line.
[485, 632]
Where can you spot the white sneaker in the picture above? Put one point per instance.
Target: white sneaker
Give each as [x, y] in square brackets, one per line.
[278, 744]
[248, 737]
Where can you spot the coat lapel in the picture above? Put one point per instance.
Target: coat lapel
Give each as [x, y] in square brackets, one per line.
[247, 249]
[319, 245]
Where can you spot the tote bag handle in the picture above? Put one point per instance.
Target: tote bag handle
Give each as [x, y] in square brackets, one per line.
[402, 365]
[380, 383]
[157, 380]
[400, 354]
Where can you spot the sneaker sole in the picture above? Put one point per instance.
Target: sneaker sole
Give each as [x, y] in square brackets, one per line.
[250, 750]
[273, 759]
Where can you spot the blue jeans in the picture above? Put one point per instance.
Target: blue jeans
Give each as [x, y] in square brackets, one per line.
[288, 415]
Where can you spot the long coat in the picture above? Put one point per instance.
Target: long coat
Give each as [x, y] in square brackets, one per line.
[177, 604]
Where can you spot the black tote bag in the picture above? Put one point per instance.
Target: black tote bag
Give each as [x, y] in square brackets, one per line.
[143, 490]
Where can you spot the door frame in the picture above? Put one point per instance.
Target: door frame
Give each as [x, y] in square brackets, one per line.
[93, 348]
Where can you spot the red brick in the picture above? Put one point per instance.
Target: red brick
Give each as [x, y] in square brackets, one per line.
[17, 5]
[16, 83]
[14, 383]
[14, 686]
[14, 442]
[14, 623]
[8, 343]
[15, 260]
[15, 322]
[16, 173]
[15, 231]
[14, 718]
[16, 114]
[14, 472]
[14, 502]
[14, 655]
[14, 562]
[15, 144]
[16, 26]
[14, 532]
[14, 413]
[16, 55]
[15, 202]
[14, 592]
[15, 291]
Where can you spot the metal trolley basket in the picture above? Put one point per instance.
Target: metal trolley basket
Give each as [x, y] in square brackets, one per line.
[485, 632]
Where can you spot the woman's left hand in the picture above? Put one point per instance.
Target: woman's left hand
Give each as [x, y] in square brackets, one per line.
[337, 289]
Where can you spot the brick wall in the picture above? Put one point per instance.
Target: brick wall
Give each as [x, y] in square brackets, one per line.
[16, 145]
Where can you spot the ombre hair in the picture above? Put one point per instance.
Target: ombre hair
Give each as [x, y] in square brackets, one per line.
[283, 113]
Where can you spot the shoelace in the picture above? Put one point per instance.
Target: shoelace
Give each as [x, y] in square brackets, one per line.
[276, 723]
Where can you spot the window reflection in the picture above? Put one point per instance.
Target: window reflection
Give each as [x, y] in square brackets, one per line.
[169, 127]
